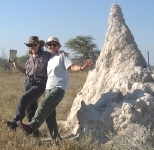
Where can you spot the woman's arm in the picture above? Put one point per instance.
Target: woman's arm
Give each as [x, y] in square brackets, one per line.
[21, 69]
[88, 63]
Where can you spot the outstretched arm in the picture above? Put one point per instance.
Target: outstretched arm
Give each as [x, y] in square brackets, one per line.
[21, 69]
[88, 63]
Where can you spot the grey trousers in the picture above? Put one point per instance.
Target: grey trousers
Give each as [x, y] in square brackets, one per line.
[27, 104]
[46, 110]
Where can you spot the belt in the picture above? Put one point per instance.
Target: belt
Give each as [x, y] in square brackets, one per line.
[35, 80]
[40, 77]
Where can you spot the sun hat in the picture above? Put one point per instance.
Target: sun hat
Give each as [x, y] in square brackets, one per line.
[52, 38]
[34, 39]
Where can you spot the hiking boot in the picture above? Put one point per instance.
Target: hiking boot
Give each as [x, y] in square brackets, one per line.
[25, 128]
[11, 125]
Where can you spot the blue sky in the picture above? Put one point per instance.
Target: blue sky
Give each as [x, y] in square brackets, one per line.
[66, 19]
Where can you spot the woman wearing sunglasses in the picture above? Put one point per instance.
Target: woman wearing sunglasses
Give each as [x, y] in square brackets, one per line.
[56, 86]
[36, 72]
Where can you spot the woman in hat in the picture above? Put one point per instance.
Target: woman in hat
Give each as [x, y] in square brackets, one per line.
[36, 72]
[56, 85]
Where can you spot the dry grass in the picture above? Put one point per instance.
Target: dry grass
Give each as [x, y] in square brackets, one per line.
[11, 88]
[133, 137]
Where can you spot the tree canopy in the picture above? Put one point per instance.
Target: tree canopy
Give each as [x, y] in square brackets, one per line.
[83, 46]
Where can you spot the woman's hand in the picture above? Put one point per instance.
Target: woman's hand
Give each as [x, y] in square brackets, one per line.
[15, 63]
[88, 63]
[23, 70]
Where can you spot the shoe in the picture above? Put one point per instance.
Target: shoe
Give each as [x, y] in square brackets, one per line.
[25, 128]
[59, 137]
[11, 125]
[56, 135]
[57, 140]
[36, 133]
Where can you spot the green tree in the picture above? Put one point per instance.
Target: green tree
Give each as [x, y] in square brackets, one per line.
[83, 47]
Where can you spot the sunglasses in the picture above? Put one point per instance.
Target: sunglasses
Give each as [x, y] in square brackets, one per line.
[53, 45]
[32, 45]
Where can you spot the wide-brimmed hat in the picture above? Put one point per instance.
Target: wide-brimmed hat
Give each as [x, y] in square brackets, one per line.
[34, 39]
[52, 38]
